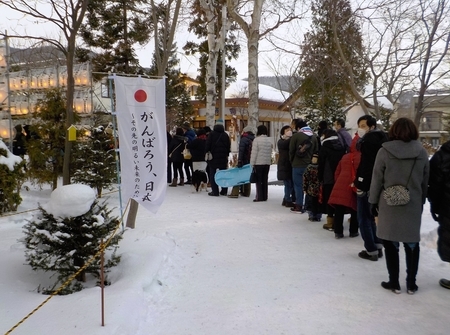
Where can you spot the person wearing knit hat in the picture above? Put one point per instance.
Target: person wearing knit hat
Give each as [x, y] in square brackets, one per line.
[249, 129]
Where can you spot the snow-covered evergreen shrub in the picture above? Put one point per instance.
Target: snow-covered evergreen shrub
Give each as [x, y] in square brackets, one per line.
[12, 176]
[63, 245]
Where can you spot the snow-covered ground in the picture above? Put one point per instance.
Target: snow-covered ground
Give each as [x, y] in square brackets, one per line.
[214, 265]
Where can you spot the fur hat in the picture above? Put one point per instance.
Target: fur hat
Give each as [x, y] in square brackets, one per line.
[248, 129]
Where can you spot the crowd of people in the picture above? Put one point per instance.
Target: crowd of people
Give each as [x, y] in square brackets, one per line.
[382, 179]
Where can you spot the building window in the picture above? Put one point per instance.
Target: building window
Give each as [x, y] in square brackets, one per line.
[198, 124]
[431, 121]
[267, 124]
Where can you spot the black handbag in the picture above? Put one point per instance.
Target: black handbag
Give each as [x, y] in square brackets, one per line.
[253, 178]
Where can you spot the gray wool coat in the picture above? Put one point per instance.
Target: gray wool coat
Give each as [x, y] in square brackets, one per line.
[393, 166]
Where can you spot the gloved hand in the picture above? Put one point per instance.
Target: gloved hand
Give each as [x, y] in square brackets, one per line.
[239, 164]
[374, 209]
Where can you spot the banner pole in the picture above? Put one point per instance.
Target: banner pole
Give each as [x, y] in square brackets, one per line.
[116, 149]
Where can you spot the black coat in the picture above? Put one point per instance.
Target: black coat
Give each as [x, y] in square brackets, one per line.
[368, 145]
[439, 197]
[245, 148]
[198, 148]
[284, 167]
[176, 148]
[218, 142]
[330, 155]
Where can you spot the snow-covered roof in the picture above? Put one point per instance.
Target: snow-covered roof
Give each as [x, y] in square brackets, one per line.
[382, 100]
[239, 89]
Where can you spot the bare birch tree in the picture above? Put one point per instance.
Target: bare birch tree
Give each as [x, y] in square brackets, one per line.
[435, 47]
[164, 18]
[215, 44]
[392, 50]
[407, 47]
[67, 16]
[258, 18]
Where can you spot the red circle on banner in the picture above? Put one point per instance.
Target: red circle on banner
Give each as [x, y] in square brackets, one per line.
[140, 96]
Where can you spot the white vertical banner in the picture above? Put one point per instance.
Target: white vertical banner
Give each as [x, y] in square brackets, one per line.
[141, 118]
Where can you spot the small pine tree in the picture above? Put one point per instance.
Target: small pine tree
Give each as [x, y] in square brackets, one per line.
[95, 161]
[46, 149]
[11, 179]
[64, 245]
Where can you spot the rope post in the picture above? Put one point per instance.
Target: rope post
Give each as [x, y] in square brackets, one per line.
[102, 279]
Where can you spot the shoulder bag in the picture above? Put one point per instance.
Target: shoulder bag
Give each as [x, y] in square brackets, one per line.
[208, 155]
[398, 195]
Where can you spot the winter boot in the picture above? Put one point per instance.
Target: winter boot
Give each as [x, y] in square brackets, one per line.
[174, 182]
[392, 264]
[412, 264]
[234, 192]
[297, 209]
[181, 182]
[445, 283]
[330, 224]
[246, 190]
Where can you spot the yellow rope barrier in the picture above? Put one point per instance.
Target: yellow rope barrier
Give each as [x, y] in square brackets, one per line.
[69, 280]
[35, 209]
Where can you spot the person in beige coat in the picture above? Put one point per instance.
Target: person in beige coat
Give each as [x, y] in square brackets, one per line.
[260, 160]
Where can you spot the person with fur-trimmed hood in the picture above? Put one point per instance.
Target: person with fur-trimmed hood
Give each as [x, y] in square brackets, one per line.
[219, 144]
[439, 198]
[245, 149]
[300, 163]
[330, 154]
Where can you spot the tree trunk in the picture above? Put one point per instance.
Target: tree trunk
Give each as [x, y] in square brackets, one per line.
[211, 64]
[253, 79]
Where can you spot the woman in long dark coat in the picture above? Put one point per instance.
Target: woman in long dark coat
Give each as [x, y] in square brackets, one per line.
[219, 144]
[284, 167]
[176, 156]
[439, 198]
[330, 154]
[400, 161]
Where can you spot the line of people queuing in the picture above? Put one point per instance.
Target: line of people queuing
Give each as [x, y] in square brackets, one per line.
[356, 176]
[255, 149]
[330, 173]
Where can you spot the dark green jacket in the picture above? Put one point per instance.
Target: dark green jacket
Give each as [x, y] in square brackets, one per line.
[297, 139]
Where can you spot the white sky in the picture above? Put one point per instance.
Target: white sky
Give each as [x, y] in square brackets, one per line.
[9, 21]
[213, 265]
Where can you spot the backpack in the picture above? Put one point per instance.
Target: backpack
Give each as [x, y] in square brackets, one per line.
[303, 148]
